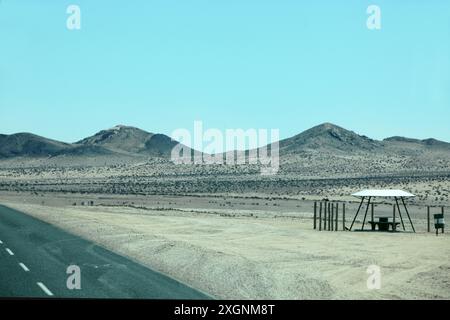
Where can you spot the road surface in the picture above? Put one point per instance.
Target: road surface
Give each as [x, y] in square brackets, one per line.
[34, 257]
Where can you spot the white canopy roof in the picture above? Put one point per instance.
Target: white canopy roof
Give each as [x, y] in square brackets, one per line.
[383, 193]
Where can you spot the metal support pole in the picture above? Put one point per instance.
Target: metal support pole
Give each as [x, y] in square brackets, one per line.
[394, 226]
[365, 215]
[407, 213]
[357, 212]
[400, 213]
[371, 212]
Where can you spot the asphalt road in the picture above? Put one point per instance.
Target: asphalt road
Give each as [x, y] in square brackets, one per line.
[34, 257]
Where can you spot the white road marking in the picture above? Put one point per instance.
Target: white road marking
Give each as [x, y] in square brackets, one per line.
[44, 288]
[10, 252]
[1, 242]
[24, 267]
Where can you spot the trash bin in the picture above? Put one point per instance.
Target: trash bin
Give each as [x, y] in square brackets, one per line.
[383, 224]
[439, 222]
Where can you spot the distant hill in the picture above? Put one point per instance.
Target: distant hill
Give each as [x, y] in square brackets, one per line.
[408, 146]
[329, 137]
[117, 141]
[27, 144]
[131, 140]
[119, 138]
[433, 143]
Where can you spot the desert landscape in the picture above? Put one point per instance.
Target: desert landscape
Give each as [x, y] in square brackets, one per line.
[227, 230]
[216, 158]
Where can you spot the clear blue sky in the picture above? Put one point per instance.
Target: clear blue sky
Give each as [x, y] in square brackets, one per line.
[160, 65]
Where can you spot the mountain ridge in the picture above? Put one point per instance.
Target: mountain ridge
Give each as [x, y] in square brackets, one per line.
[122, 139]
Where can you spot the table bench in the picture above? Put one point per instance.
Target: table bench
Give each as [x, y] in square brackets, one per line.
[384, 225]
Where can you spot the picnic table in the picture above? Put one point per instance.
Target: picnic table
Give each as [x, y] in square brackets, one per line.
[383, 224]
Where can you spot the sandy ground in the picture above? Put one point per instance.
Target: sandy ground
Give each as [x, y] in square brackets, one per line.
[265, 257]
